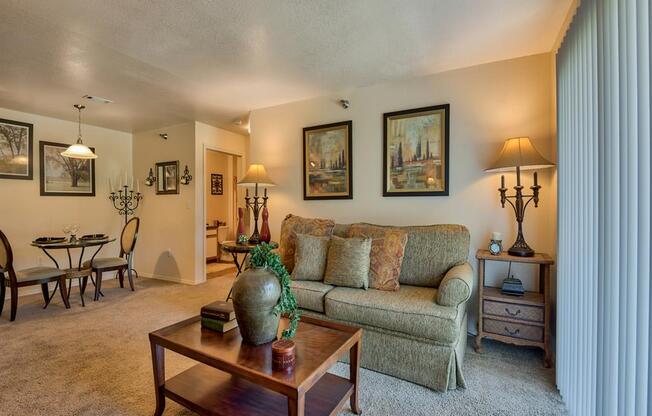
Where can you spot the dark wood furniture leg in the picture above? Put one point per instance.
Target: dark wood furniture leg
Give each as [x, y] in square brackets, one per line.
[98, 284]
[64, 292]
[354, 376]
[46, 292]
[238, 266]
[121, 278]
[296, 407]
[158, 364]
[478, 338]
[131, 280]
[14, 302]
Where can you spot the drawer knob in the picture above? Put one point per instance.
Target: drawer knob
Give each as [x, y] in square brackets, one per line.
[510, 313]
[512, 332]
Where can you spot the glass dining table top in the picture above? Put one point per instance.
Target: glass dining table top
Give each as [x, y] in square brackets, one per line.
[77, 243]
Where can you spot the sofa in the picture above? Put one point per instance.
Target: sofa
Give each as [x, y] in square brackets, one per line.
[417, 333]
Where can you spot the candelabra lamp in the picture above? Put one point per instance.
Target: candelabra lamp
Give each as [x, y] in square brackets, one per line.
[256, 176]
[519, 154]
[125, 200]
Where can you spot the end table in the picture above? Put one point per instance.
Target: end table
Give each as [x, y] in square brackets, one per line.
[234, 248]
[519, 320]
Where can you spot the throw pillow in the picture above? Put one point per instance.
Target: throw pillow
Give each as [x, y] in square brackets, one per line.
[310, 257]
[293, 225]
[348, 262]
[387, 251]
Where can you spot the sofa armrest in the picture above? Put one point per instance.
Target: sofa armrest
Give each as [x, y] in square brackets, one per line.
[455, 288]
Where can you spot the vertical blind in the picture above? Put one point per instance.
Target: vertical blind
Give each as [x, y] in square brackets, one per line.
[603, 305]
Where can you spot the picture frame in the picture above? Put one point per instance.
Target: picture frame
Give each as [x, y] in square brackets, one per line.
[16, 150]
[167, 178]
[416, 152]
[63, 176]
[328, 161]
[217, 184]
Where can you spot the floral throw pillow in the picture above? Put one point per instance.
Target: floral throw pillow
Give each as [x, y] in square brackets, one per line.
[293, 225]
[387, 251]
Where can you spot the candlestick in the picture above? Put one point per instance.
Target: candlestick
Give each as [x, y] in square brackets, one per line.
[125, 202]
[137, 186]
[110, 186]
[265, 193]
[535, 179]
[247, 193]
[502, 181]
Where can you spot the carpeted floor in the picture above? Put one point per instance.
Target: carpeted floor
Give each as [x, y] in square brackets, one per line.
[96, 361]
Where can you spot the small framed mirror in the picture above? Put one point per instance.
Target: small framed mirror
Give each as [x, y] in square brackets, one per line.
[167, 178]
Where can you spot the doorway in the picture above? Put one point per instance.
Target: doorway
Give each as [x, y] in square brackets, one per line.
[221, 196]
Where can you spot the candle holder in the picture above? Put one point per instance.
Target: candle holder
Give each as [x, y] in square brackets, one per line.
[520, 247]
[125, 201]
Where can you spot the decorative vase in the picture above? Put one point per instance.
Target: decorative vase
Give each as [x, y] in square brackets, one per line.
[255, 294]
[265, 234]
[241, 237]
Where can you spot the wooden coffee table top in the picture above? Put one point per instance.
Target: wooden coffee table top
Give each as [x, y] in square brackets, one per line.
[319, 344]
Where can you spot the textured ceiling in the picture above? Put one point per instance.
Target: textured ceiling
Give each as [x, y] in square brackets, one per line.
[171, 61]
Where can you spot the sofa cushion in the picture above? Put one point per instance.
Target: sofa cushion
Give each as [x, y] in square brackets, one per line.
[387, 250]
[431, 251]
[310, 257]
[293, 225]
[310, 295]
[348, 262]
[411, 310]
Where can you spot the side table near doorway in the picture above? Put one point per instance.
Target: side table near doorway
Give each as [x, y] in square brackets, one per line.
[234, 248]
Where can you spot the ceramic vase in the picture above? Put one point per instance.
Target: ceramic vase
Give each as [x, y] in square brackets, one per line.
[265, 234]
[255, 294]
[241, 237]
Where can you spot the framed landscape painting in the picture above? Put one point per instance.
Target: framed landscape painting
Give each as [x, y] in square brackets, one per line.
[415, 146]
[63, 176]
[327, 162]
[16, 150]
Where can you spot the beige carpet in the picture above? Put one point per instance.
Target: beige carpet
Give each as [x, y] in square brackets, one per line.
[96, 361]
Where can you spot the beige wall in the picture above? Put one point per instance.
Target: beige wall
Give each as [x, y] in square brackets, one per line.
[25, 215]
[166, 244]
[488, 104]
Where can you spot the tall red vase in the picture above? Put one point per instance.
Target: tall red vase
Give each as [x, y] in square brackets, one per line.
[265, 234]
[241, 237]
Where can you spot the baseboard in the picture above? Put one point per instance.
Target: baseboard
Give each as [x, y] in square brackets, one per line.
[174, 279]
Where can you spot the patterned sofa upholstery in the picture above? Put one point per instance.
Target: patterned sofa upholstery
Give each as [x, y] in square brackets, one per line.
[417, 333]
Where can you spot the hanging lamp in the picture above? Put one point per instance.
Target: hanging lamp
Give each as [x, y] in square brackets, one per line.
[79, 150]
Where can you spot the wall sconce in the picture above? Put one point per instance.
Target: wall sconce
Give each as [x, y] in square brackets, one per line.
[186, 177]
[150, 179]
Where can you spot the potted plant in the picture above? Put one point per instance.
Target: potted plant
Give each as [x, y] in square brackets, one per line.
[261, 294]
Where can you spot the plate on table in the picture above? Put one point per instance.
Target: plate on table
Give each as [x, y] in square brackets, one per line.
[49, 240]
[94, 237]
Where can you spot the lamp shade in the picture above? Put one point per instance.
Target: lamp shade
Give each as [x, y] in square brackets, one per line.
[79, 151]
[256, 174]
[519, 151]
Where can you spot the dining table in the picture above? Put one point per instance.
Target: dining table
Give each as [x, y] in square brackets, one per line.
[73, 271]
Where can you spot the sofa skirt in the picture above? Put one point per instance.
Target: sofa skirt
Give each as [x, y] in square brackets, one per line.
[420, 361]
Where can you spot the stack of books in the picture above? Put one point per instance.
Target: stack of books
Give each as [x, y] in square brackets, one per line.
[218, 316]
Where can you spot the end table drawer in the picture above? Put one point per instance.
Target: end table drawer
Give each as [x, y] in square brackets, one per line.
[513, 311]
[510, 329]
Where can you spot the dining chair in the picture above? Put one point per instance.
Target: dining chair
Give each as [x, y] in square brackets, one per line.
[121, 263]
[27, 277]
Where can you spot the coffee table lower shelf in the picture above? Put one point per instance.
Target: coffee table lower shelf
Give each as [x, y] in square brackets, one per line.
[208, 391]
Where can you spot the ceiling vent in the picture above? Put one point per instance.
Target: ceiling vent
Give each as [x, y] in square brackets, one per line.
[98, 99]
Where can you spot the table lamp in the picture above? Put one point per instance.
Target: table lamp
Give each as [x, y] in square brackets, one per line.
[518, 154]
[256, 176]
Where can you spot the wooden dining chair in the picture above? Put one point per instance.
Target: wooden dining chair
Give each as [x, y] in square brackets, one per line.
[120, 264]
[27, 277]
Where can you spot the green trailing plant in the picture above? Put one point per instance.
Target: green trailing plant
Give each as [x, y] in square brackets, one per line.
[263, 256]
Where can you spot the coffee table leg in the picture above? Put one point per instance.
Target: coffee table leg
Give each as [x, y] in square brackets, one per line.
[354, 368]
[158, 363]
[296, 406]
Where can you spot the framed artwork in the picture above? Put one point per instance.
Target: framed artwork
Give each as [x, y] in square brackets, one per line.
[167, 178]
[217, 184]
[327, 161]
[63, 176]
[415, 147]
[16, 150]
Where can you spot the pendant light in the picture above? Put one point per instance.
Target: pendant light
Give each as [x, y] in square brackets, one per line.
[79, 150]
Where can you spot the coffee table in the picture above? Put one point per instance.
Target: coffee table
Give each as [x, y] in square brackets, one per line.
[234, 378]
